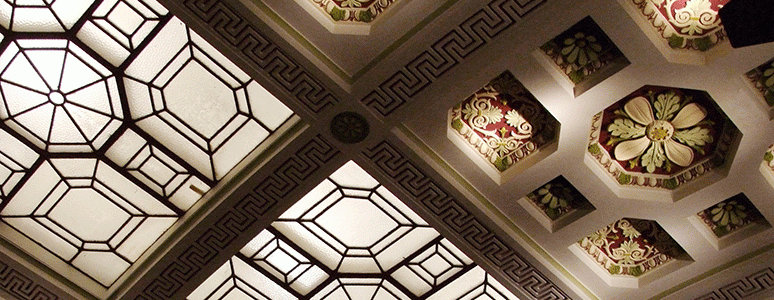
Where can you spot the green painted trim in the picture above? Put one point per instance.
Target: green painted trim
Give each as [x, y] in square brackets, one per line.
[493, 210]
[304, 42]
[714, 271]
[368, 67]
[400, 41]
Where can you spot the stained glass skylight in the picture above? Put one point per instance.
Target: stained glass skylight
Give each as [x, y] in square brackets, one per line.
[114, 123]
[350, 238]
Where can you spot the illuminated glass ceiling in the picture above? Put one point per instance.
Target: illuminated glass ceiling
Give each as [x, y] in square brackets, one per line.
[116, 119]
[350, 238]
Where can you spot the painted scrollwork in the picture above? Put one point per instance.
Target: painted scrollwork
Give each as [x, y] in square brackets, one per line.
[356, 11]
[631, 247]
[686, 24]
[503, 122]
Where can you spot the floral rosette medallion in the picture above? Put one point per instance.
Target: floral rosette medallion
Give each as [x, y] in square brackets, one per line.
[685, 24]
[661, 137]
[558, 198]
[354, 11]
[503, 122]
[631, 247]
[730, 215]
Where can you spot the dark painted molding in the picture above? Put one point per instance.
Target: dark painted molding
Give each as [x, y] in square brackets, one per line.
[755, 283]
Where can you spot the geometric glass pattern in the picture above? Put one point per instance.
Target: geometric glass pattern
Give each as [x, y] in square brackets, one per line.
[692, 24]
[661, 137]
[585, 55]
[89, 215]
[115, 119]
[504, 124]
[41, 16]
[350, 238]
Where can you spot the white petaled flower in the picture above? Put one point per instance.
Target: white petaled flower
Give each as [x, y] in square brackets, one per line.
[351, 3]
[662, 136]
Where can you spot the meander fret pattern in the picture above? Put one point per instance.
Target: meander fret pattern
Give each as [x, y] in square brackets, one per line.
[115, 118]
[350, 238]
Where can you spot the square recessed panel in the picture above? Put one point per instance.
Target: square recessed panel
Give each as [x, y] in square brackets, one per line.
[630, 252]
[377, 248]
[584, 55]
[730, 221]
[556, 204]
[761, 80]
[503, 128]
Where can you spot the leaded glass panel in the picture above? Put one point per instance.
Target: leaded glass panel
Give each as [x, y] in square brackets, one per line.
[350, 238]
[115, 119]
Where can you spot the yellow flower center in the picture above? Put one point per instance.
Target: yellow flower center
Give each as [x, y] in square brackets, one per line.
[660, 130]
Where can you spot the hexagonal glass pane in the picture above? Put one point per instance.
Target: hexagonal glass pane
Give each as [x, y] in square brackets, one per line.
[89, 215]
[368, 245]
[42, 16]
[630, 252]
[685, 31]
[503, 128]
[655, 142]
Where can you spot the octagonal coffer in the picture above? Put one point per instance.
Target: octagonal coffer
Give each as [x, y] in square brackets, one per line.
[88, 215]
[350, 238]
[684, 31]
[57, 96]
[354, 17]
[503, 128]
[631, 253]
[661, 143]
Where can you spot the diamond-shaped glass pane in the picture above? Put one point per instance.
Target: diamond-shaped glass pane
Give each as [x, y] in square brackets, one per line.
[350, 238]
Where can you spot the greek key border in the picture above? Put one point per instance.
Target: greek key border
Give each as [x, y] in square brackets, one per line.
[755, 283]
[446, 53]
[16, 284]
[243, 214]
[241, 35]
[466, 226]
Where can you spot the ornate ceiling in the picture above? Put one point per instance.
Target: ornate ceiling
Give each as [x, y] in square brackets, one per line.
[267, 149]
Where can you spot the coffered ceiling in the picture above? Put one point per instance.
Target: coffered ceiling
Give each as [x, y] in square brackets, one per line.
[327, 149]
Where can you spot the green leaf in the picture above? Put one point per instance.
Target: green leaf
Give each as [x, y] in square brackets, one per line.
[552, 213]
[337, 14]
[635, 271]
[500, 164]
[703, 44]
[594, 149]
[615, 270]
[768, 157]
[676, 41]
[653, 158]
[576, 76]
[696, 136]
[457, 124]
[670, 183]
[366, 16]
[666, 105]
[624, 178]
[626, 129]
[769, 98]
